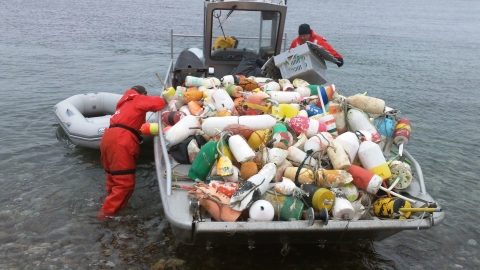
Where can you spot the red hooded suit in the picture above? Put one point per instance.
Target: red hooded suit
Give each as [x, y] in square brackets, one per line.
[319, 40]
[120, 147]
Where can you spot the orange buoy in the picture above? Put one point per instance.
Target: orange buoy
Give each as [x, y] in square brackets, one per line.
[194, 108]
[192, 94]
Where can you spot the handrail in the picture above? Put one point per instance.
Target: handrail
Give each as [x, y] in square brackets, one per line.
[418, 169]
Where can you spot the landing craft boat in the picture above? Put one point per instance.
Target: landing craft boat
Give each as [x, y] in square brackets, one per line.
[84, 117]
[236, 31]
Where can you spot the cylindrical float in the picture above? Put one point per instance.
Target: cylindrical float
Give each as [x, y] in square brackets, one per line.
[305, 176]
[181, 130]
[203, 163]
[240, 149]
[335, 109]
[357, 120]
[338, 156]
[297, 156]
[285, 97]
[171, 118]
[385, 126]
[302, 124]
[350, 143]
[390, 208]
[342, 208]
[317, 197]
[332, 178]
[318, 144]
[365, 179]
[285, 207]
[367, 104]
[149, 129]
[372, 159]
[401, 135]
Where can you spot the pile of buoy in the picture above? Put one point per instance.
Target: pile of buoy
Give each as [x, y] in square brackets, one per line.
[268, 150]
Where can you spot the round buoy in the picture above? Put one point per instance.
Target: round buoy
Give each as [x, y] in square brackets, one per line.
[261, 210]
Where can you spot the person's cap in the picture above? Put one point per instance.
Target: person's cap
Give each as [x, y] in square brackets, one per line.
[140, 89]
[304, 29]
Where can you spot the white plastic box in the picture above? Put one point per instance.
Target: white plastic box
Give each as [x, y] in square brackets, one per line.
[302, 62]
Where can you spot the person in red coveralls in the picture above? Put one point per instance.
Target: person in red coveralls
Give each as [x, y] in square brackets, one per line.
[306, 34]
[120, 146]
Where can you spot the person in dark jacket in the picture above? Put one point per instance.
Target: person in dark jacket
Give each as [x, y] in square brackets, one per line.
[120, 147]
[306, 34]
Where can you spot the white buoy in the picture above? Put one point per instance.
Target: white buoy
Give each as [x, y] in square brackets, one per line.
[181, 130]
[213, 125]
[372, 159]
[342, 207]
[270, 86]
[357, 120]
[303, 91]
[257, 122]
[240, 149]
[350, 143]
[318, 143]
[277, 155]
[297, 156]
[261, 210]
[222, 100]
[285, 97]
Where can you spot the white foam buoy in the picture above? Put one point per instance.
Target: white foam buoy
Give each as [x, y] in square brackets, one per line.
[285, 97]
[181, 130]
[372, 159]
[240, 149]
[350, 143]
[342, 207]
[357, 120]
[261, 210]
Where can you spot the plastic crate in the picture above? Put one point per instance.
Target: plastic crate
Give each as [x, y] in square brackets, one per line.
[302, 62]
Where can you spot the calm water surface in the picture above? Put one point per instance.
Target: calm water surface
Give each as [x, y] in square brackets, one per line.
[421, 57]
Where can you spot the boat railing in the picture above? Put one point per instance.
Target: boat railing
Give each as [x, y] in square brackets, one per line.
[172, 35]
[418, 169]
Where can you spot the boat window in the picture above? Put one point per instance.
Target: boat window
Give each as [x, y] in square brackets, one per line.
[238, 34]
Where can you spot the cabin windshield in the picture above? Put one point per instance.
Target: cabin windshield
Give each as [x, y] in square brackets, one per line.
[237, 34]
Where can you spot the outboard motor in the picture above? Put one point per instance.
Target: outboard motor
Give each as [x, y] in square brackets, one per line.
[190, 62]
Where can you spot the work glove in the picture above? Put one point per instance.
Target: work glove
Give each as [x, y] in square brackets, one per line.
[339, 62]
